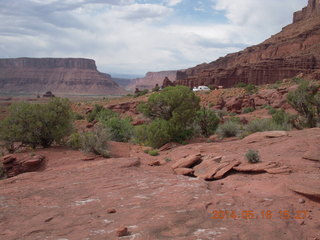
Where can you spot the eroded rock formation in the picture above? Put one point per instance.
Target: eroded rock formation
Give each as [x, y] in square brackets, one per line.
[59, 75]
[151, 79]
[296, 49]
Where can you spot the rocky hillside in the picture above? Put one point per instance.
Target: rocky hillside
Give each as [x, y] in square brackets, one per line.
[151, 79]
[59, 75]
[296, 49]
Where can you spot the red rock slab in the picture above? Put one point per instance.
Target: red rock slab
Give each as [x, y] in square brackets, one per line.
[278, 170]
[205, 165]
[309, 190]
[212, 170]
[256, 137]
[187, 162]
[183, 171]
[257, 167]
[226, 169]
[169, 146]
[313, 153]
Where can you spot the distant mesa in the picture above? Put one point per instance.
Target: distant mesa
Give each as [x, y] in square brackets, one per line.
[151, 79]
[70, 76]
[295, 50]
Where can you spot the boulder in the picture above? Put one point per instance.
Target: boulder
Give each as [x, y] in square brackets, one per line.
[187, 162]
[14, 165]
[257, 167]
[226, 169]
[183, 171]
[308, 190]
[313, 153]
[256, 137]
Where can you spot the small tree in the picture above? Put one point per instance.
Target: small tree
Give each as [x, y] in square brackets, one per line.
[306, 101]
[177, 105]
[207, 121]
[37, 124]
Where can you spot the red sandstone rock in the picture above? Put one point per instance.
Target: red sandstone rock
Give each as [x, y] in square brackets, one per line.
[121, 232]
[313, 153]
[257, 167]
[111, 210]
[292, 51]
[59, 75]
[226, 169]
[14, 166]
[183, 171]
[151, 79]
[187, 162]
[311, 191]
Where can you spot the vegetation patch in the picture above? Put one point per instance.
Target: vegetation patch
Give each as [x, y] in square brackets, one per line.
[252, 156]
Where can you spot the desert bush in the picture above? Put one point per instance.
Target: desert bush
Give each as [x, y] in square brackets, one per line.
[153, 152]
[252, 156]
[141, 93]
[229, 129]
[263, 125]
[280, 117]
[221, 113]
[74, 141]
[251, 88]
[77, 116]
[120, 129]
[173, 110]
[100, 113]
[240, 85]
[2, 171]
[155, 134]
[96, 141]
[156, 89]
[248, 110]
[306, 101]
[207, 121]
[37, 124]
[213, 86]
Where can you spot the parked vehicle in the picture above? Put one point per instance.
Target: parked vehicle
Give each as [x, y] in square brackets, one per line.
[201, 88]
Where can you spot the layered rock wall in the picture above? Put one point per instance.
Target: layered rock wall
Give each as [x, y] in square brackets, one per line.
[60, 75]
[296, 49]
[151, 79]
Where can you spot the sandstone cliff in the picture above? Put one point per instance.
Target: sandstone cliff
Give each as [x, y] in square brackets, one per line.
[151, 79]
[296, 49]
[59, 75]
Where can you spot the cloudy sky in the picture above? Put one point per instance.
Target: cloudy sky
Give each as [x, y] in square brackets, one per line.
[136, 36]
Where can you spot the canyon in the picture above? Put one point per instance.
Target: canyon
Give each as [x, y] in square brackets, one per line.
[295, 50]
[69, 76]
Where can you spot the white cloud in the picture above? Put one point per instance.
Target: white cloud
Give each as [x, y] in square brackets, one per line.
[173, 2]
[130, 37]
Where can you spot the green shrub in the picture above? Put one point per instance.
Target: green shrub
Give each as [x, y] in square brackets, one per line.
[240, 85]
[156, 89]
[100, 113]
[96, 141]
[37, 124]
[213, 86]
[251, 88]
[2, 171]
[272, 111]
[252, 156]
[248, 110]
[263, 125]
[153, 152]
[280, 117]
[173, 110]
[208, 121]
[77, 116]
[168, 159]
[92, 115]
[141, 93]
[155, 134]
[120, 129]
[306, 101]
[74, 141]
[221, 113]
[229, 129]
[298, 80]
